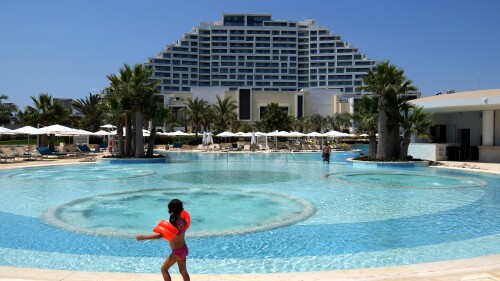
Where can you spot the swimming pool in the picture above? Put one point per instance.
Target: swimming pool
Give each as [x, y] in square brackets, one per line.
[251, 213]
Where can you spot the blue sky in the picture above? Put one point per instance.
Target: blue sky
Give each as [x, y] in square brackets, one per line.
[67, 47]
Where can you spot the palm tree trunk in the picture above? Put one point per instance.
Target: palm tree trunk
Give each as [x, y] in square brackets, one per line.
[396, 142]
[404, 148]
[390, 140]
[128, 134]
[382, 129]
[373, 146]
[139, 139]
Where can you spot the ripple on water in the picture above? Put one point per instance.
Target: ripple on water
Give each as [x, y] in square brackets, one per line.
[390, 179]
[125, 214]
[225, 177]
[80, 173]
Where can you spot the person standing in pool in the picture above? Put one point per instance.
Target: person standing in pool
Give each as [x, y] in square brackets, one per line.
[326, 153]
[177, 244]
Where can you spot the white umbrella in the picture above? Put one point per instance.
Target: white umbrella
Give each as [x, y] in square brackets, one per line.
[60, 129]
[102, 133]
[296, 134]
[364, 135]
[210, 140]
[334, 134]
[253, 139]
[315, 134]
[108, 126]
[28, 130]
[226, 134]
[204, 139]
[177, 133]
[5, 131]
[277, 134]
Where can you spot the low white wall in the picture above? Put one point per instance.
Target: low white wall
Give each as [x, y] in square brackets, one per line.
[429, 151]
[490, 154]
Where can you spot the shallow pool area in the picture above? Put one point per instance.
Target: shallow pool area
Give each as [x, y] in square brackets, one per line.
[251, 213]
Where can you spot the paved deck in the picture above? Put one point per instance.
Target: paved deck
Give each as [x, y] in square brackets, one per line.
[476, 269]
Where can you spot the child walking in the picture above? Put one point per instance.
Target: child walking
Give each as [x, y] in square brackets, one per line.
[177, 243]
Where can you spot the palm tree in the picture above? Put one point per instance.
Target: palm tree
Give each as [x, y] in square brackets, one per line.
[384, 81]
[365, 118]
[337, 121]
[6, 110]
[194, 112]
[157, 113]
[45, 112]
[91, 111]
[143, 90]
[121, 87]
[414, 121]
[223, 110]
[115, 114]
[208, 117]
[275, 118]
[316, 122]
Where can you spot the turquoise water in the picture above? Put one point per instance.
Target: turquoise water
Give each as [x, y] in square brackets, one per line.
[250, 213]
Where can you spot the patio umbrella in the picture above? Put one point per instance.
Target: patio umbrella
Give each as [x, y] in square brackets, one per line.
[60, 129]
[108, 126]
[210, 140]
[364, 135]
[225, 135]
[204, 139]
[253, 139]
[101, 133]
[177, 133]
[28, 130]
[5, 131]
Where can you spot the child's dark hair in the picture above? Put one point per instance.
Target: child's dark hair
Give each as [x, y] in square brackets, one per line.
[175, 209]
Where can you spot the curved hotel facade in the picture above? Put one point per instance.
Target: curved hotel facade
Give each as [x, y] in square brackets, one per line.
[256, 60]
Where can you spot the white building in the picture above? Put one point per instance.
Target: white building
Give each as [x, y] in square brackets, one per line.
[469, 122]
[257, 59]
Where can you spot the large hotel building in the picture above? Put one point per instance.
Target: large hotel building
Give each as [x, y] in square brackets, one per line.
[256, 60]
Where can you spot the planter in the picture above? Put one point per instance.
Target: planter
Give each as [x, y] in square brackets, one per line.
[388, 164]
[159, 160]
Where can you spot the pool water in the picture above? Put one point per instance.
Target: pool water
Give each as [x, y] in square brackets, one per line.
[250, 213]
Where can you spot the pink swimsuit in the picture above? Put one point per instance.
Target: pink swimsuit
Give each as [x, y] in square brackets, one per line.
[183, 251]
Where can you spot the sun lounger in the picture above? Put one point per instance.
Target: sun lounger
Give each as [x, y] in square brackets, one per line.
[21, 152]
[6, 153]
[45, 151]
[86, 149]
[74, 151]
[176, 146]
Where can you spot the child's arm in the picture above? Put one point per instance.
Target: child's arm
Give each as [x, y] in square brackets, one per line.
[148, 236]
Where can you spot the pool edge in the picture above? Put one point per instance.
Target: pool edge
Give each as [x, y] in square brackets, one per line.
[479, 268]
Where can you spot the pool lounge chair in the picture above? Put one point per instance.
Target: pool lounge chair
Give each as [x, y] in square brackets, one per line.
[45, 151]
[73, 150]
[4, 154]
[86, 149]
[177, 146]
[20, 152]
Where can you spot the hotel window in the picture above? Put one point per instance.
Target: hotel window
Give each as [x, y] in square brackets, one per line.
[245, 104]
[300, 106]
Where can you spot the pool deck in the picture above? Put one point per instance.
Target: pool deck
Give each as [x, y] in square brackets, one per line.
[476, 269]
